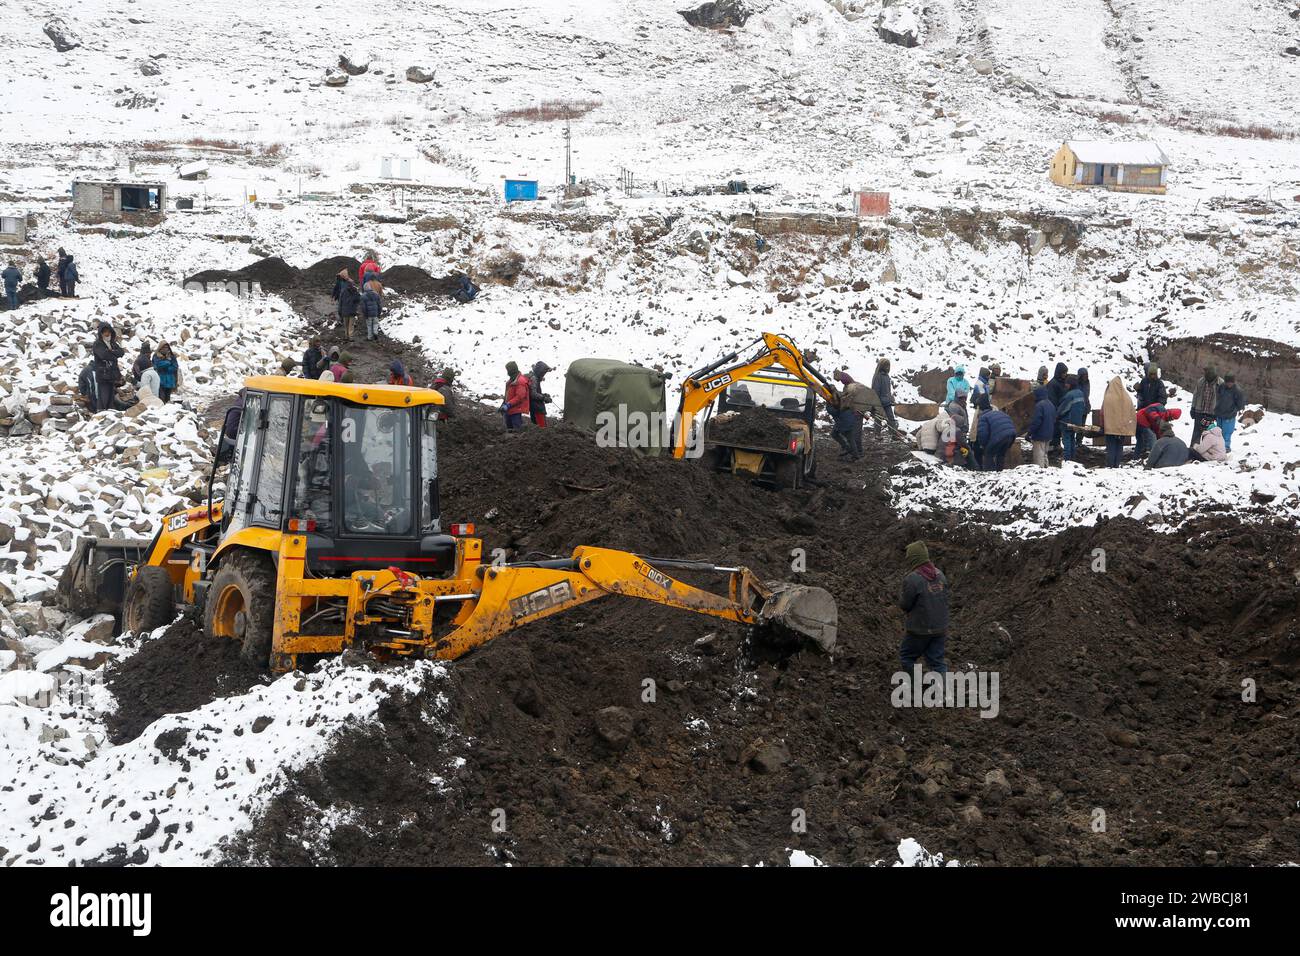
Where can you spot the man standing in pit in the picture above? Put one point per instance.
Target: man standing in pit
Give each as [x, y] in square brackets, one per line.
[924, 601]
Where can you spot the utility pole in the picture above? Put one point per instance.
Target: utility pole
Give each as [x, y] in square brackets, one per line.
[568, 144]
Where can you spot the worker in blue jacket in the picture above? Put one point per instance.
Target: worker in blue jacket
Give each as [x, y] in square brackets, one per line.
[957, 384]
[1071, 410]
[168, 369]
[1042, 425]
[994, 434]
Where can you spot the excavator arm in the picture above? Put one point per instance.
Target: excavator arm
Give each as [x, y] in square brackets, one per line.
[702, 387]
[516, 594]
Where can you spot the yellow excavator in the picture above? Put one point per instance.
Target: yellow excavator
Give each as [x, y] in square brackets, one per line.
[330, 537]
[777, 380]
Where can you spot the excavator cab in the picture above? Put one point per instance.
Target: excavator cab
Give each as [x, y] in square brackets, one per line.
[358, 480]
[329, 536]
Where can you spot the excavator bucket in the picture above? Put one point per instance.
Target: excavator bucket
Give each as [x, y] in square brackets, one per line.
[797, 615]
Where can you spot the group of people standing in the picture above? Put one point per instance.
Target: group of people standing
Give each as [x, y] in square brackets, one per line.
[156, 372]
[969, 431]
[524, 397]
[364, 297]
[66, 273]
[1216, 403]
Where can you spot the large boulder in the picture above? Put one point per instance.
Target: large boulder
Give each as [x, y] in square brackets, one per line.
[336, 78]
[353, 69]
[899, 24]
[718, 15]
[418, 74]
[933, 384]
[61, 35]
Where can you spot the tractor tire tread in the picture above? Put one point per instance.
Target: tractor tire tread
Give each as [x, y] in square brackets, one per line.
[255, 577]
[150, 600]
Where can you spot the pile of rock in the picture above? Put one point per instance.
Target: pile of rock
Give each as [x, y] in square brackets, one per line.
[120, 474]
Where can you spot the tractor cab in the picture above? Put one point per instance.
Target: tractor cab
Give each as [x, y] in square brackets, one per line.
[775, 390]
[351, 468]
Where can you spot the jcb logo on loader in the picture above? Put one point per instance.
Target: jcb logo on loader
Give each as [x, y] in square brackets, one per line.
[657, 577]
[541, 599]
[713, 384]
[176, 522]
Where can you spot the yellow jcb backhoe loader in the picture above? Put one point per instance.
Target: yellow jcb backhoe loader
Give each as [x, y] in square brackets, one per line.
[775, 378]
[330, 537]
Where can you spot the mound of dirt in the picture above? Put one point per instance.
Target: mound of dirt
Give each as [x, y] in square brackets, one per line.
[276, 275]
[323, 273]
[753, 428]
[625, 732]
[415, 281]
[176, 672]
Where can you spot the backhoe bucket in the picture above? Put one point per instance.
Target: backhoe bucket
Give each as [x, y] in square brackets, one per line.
[798, 615]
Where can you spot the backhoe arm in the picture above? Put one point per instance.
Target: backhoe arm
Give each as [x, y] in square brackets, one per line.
[517, 594]
[703, 387]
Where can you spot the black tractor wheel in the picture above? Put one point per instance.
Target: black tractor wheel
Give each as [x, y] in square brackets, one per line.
[150, 600]
[241, 606]
[786, 472]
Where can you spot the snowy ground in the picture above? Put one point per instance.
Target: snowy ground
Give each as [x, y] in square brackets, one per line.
[802, 99]
[191, 780]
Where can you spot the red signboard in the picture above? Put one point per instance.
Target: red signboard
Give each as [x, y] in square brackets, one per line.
[871, 203]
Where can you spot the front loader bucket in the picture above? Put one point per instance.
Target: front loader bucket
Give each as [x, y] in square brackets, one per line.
[95, 580]
[797, 615]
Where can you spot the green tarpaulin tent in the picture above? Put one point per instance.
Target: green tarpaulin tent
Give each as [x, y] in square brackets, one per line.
[614, 398]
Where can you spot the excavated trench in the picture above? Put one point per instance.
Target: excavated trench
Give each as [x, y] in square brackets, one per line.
[1268, 372]
[1120, 690]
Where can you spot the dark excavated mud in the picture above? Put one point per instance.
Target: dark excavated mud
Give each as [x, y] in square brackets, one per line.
[1120, 691]
[178, 671]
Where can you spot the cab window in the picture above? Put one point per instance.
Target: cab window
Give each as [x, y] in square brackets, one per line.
[786, 396]
[268, 500]
[241, 469]
[313, 496]
[376, 445]
[429, 470]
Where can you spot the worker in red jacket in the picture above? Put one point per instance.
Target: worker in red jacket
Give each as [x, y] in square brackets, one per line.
[397, 375]
[515, 408]
[1149, 420]
[367, 267]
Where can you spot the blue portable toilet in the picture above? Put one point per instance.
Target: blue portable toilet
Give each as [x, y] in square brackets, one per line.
[518, 190]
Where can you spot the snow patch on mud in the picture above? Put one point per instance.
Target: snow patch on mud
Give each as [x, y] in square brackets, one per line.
[174, 793]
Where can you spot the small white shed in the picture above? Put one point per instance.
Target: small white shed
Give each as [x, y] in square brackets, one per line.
[13, 227]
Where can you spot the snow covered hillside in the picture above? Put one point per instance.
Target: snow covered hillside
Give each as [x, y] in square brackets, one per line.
[294, 106]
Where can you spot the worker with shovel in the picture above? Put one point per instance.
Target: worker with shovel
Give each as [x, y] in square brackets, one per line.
[883, 386]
